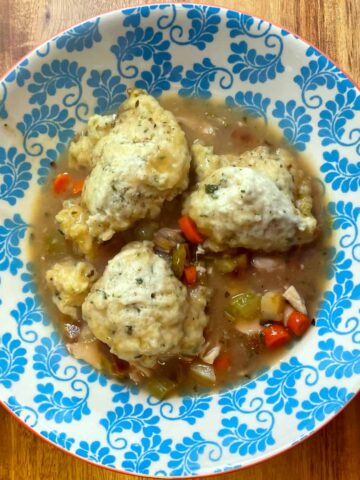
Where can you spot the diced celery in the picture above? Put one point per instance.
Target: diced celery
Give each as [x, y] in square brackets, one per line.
[228, 264]
[245, 305]
[202, 373]
[160, 387]
[225, 264]
[179, 259]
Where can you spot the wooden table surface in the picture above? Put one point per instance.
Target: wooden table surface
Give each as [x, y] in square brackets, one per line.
[331, 25]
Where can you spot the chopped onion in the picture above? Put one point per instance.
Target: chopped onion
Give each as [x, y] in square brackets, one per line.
[167, 238]
[263, 262]
[192, 123]
[210, 355]
[295, 299]
[135, 376]
[90, 352]
[287, 312]
[138, 372]
[248, 328]
[86, 335]
[201, 269]
[144, 370]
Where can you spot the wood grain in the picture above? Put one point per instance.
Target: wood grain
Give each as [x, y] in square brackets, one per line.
[331, 25]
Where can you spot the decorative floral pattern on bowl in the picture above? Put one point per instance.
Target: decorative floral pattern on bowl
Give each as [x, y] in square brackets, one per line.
[198, 51]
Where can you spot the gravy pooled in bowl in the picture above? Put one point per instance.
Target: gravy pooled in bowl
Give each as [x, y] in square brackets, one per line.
[179, 243]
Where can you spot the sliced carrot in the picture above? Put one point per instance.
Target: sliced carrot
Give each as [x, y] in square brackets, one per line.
[61, 182]
[189, 230]
[222, 362]
[78, 186]
[298, 323]
[275, 335]
[190, 274]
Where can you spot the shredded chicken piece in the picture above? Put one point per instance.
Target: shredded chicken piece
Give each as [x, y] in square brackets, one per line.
[295, 299]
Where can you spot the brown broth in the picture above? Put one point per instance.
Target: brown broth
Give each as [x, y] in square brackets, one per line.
[211, 123]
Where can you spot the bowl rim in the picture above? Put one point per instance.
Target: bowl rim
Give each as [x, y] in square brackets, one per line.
[281, 450]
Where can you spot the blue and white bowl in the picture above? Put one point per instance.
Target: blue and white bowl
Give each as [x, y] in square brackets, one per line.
[197, 51]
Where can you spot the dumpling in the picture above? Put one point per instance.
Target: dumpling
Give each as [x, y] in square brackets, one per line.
[142, 311]
[81, 148]
[70, 282]
[72, 222]
[137, 164]
[280, 165]
[244, 207]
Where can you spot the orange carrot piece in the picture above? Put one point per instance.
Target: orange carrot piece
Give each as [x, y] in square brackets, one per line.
[190, 274]
[298, 323]
[275, 335]
[61, 182]
[190, 230]
[222, 362]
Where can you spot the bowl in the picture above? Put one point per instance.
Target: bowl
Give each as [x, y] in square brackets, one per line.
[195, 50]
